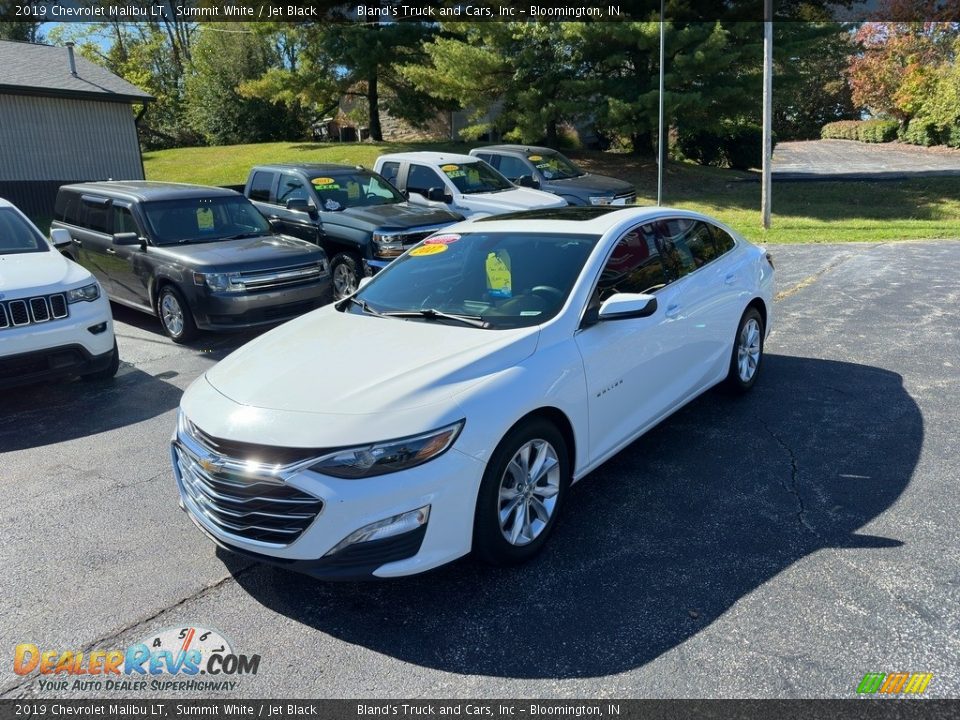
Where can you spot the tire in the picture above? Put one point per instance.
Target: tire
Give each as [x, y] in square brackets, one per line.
[175, 316]
[108, 372]
[491, 534]
[345, 274]
[747, 355]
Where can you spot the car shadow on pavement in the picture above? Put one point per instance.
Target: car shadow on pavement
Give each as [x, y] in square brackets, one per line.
[656, 544]
[54, 412]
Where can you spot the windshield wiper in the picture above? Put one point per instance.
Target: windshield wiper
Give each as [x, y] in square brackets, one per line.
[434, 314]
[243, 235]
[362, 304]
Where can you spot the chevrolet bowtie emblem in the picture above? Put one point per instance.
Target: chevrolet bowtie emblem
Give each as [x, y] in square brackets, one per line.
[211, 466]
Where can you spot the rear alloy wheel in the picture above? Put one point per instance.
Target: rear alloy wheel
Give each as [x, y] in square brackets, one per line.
[747, 352]
[346, 275]
[175, 315]
[522, 491]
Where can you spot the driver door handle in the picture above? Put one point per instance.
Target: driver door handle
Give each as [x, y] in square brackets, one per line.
[111, 251]
[77, 241]
[672, 311]
[728, 280]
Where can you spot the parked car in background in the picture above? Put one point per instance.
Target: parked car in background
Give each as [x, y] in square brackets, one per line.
[195, 256]
[461, 183]
[355, 215]
[477, 377]
[549, 170]
[55, 320]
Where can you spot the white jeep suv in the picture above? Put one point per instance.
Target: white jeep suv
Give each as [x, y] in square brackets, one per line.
[55, 320]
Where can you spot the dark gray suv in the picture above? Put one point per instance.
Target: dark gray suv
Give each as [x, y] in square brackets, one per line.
[197, 257]
[551, 171]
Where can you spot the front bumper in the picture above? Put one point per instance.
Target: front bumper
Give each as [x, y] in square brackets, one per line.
[448, 484]
[50, 363]
[227, 311]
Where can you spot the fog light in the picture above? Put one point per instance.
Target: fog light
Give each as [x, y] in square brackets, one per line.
[382, 529]
[98, 328]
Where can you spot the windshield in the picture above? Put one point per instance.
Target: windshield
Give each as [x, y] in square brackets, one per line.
[360, 189]
[203, 219]
[17, 235]
[554, 166]
[505, 279]
[475, 177]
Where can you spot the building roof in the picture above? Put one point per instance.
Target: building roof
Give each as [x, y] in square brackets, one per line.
[34, 69]
[147, 190]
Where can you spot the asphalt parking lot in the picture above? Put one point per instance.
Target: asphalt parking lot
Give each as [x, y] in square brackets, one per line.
[778, 545]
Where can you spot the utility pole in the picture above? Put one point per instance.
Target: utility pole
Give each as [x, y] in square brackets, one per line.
[767, 113]
[661, 139]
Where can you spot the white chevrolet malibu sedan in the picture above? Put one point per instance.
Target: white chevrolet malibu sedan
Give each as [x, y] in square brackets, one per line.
[448, 405]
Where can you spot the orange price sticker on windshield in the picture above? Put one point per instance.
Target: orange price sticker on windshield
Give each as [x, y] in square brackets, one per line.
[428, 250]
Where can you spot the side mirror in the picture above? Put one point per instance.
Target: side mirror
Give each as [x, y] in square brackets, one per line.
[298, 204]
[60, 238]
[624, 306]
[438, 195]
[528, 181]
[126, 238]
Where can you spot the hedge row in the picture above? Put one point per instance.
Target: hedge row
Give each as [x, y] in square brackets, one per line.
[919, 132]
[872, 131]
[739, 147]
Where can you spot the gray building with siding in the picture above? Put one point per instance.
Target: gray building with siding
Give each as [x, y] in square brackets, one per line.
[63, 119]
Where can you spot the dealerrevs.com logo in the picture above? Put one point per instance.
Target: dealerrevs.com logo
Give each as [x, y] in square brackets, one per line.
[894, 683]
[173, 659]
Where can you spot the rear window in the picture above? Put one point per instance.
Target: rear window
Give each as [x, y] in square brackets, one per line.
[17, 235]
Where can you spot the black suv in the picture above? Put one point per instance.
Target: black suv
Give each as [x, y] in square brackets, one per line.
[198, 257]
[356, 215]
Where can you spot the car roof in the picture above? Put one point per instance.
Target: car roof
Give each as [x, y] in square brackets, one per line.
[145, 190]
[573, 220]
[429, 157]
[516, 149]
[6, 203]
[308, 167]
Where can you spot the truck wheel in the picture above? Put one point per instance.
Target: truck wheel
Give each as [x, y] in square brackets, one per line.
[346, 275]
[175, 315]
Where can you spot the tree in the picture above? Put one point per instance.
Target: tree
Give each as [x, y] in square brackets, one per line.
[223, 56]
[21, 31]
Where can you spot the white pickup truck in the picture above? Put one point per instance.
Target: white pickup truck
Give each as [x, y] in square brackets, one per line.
[460, 183]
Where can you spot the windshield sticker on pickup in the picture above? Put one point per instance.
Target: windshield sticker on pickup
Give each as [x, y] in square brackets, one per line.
[331, 205]
[325, 183]
[353, 190]
[204, 218]
[499, 279]
[473, 178]
[428, 250]
[441, 239]
[449, 168]
[534, 158]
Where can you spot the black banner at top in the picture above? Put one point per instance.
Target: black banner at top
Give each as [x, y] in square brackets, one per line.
[477, 10]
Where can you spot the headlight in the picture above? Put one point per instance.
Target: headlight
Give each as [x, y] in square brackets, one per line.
[220, 282]
[87, 293]
[390, 456]
[601, 200]
[387, 245]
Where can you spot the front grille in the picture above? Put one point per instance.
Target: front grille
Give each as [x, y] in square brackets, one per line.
[629, 198]
[241, 500]
[282, 277]
[29, 311]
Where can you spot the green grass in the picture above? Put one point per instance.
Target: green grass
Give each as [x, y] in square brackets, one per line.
[803, 212]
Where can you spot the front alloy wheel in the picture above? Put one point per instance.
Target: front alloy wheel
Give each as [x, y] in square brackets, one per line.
[175, 315]
[521, 493]
[345, 274]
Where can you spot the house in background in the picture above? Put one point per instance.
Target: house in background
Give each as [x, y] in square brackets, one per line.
[63, 119]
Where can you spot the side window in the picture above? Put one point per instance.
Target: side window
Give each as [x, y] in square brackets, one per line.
[421, 178]
[96, 217]
[390, 170]
[68, 208]
[123, 220]
[291, 188]
[675, 237]
[512, 167]
[702, 244]
[260, 186]
[722, 240]
[635, 266]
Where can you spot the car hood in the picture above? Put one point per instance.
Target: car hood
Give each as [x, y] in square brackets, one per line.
[399, 216]
[258, 253]
[346, 364]
[37, 273]
[594, 183]
[508, 201]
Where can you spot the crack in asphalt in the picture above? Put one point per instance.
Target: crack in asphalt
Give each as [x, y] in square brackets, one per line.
[792, 487]
[6, 690]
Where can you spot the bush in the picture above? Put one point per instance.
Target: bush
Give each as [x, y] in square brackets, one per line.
[921, 132]
[953, 135]
[736, 146]
[872, 131]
